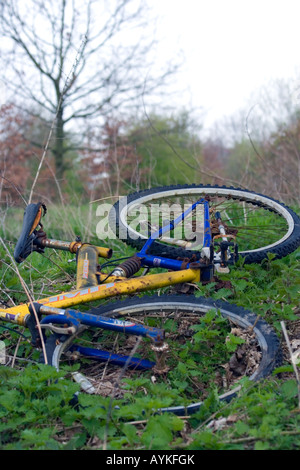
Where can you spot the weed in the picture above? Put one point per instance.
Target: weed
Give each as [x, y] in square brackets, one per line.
[37, 407]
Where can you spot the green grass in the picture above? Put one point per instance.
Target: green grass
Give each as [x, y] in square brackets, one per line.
[35, 408]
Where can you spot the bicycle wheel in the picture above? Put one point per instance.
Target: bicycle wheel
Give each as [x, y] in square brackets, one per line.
[212, 344]
[259, 224]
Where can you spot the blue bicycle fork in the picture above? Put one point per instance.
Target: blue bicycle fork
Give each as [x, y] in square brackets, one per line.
[73, 318]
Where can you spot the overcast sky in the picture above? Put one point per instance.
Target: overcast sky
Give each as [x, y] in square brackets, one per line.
[231, 48]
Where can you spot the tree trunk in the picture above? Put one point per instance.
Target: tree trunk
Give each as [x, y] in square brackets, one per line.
[58, 149]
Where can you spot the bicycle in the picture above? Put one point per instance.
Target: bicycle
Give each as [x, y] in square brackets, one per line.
[159, 319]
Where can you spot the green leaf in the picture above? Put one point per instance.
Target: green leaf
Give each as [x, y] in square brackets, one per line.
[289, 388]
[282, 369]
[241, 285]
[223, 293]
[10, 400]
[130, 432]
[233, 341]
[159, 431]
[261, 445]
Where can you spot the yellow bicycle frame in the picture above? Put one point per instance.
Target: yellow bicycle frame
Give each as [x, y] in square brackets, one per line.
[89, 290]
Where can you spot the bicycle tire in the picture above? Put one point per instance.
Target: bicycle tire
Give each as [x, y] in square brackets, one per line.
[288, 241]
[165, 307]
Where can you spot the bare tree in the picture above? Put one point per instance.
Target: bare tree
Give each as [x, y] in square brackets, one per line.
[73, 60]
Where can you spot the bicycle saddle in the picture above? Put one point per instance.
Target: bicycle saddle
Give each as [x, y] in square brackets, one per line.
[26, 242]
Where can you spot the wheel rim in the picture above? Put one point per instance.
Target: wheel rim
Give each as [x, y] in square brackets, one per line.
[257, 205]
[158, 307]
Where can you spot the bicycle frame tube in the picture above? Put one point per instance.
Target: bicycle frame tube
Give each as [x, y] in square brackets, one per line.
[180, 218]
[207, 241]
[19, 313]
[75, 317]
[115, 359]
[72, 247]
[159, 262]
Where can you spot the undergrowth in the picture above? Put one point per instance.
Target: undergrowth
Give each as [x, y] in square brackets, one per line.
[37, 406]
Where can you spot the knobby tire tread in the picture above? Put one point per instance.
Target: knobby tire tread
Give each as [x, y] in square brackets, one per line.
[160, 249]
